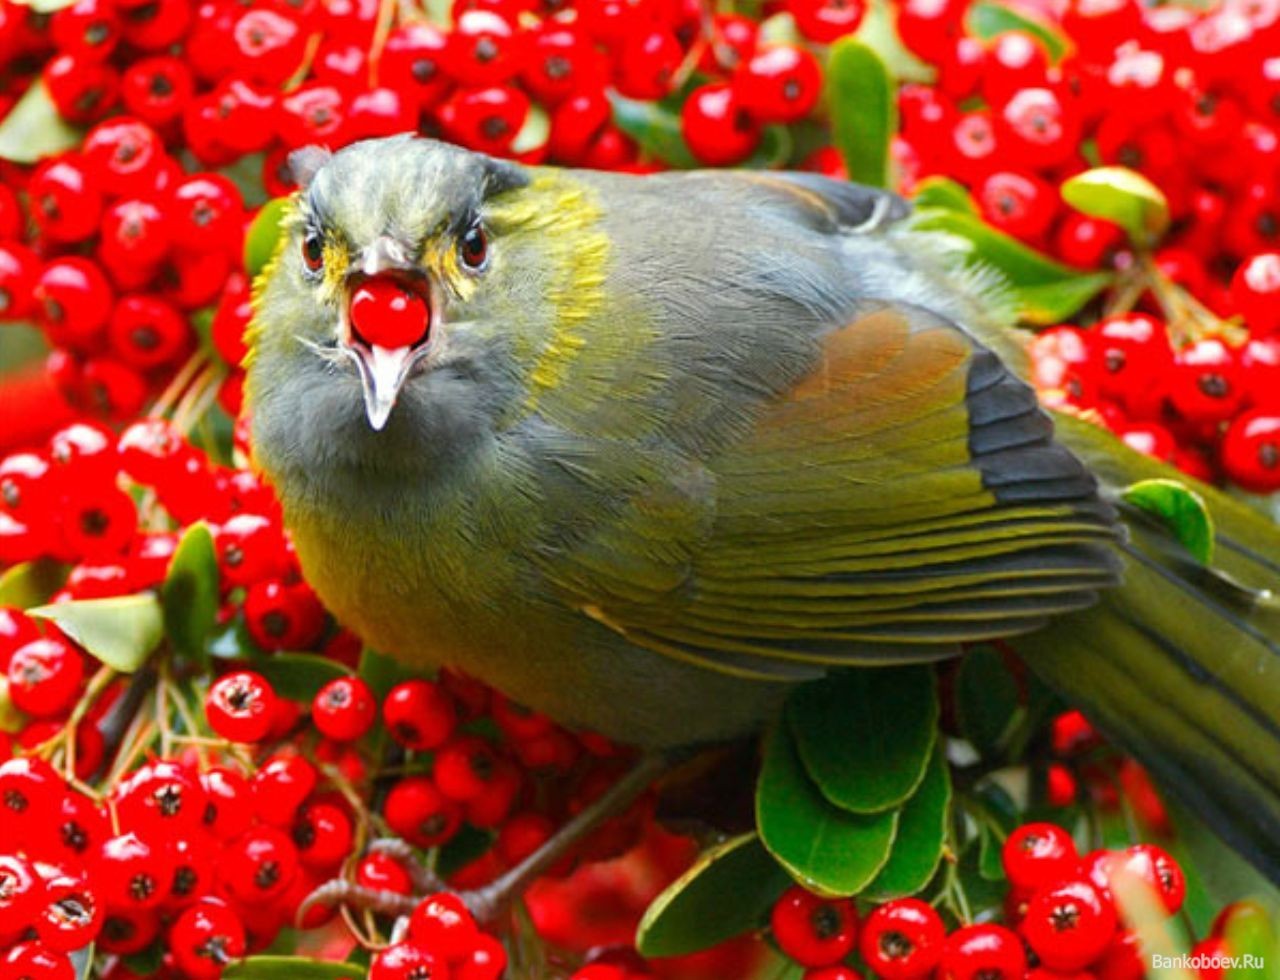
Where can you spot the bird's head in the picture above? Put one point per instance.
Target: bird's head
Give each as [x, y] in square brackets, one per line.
[415, 289]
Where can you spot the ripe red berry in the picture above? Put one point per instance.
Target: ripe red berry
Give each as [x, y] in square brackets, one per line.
[1069, 924]
[35, 961]
[983, 952]
[1205, 384]
[717, 127]
[19, 271]
[205, 938]
[464, 767]
[1018, 204]
[1255, 292]
[259, 865]
[125, 156]
[1036, 854]
[65, 199]
[22, 894]
[780, 83]
[384, 313]
[71, 916]
[443, 924]
[383, 873]
[648, 63]
[344, 709]
[902, 939]
[133, 872]
[44, 676]
[240, 706]
[283, 617]
[419, 715]
[74, 301]
[1250, 451]
[408, 961]
[811, 930]
[825, 21]
[281, 785]
[417, 811]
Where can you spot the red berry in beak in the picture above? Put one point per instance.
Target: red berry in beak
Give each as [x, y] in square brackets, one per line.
[384, 313]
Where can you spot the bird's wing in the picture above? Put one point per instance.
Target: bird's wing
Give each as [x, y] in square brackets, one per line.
[904, 496]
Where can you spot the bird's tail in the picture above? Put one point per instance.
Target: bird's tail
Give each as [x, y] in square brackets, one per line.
[1181, 664]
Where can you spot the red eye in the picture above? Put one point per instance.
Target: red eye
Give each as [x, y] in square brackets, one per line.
[313, 252]
[474, 248]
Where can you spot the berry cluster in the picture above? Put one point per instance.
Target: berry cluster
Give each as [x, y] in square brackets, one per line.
[1061, 919]
[1186, 98]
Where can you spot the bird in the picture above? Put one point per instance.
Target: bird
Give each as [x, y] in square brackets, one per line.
[645, 452]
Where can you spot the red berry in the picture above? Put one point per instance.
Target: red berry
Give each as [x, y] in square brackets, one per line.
[1205, 385]
[281, 785]
[780, 83]
[811, 930]
[344, 709]
[825, 21]
[1018, 204]
[81, 89]
[65, 199]
[22, 894]
[984, 952]
[19, 271]
[648, 63]
[902, 939]
[323, 833]
[1069, 924]
[383, 873]
[228, 809]
[443, 924]
[133, 873]
[384, 313]
[74, 301]
[485, 960]
[1037, 854]
[44, 677]
[250, 549]
[157, 89]
[484, 48]
[417, 811]
[464, 767]
[35, 961]
[283, 617]
[408, 961]
[125, 156]
[1250, 451]
[240, 706]
[205, 938]
[71, 916]
[717, 126]
[419, 715]
[1255, 292]
[259, 865]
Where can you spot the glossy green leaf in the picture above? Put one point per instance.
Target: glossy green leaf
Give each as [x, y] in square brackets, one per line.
[826, 849]
[862, 98]
[264, 234]
[190, 592]
[655, 126]
[1046, 291]
[1180, 509]
[1251, 936]
[31, 584]
[988, 20]
[290, 968]
[865, 735]
[727, 892]
[122, 631]
[921, 837]
[1122, 196]
[997, 814]
[986, 697]
[943, 192]
[33, 129]
[299, 676]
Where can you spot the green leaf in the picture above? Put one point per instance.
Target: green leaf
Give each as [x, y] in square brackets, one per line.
[465, 846]
[997, 815]
[921, 837]
[299, 676]
[534, 133]
[986, 697]
[190, 593]
[32, 583]
[33, 129]
[122, 631]
[774, 151]
[863, 102]
[865, 735]
[727, 892]
[828, 850]
[1122, 196]
[655, 126]
[290, 968]
[264, 234]
[943, 192]
[987, 20]
[1046, 291]
[1180, 509]
[1251, 935]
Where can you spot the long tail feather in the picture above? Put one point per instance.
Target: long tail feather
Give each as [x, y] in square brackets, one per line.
[1182, 663]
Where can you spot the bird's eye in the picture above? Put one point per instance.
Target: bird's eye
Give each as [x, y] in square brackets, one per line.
[313, 252]
[474, 248]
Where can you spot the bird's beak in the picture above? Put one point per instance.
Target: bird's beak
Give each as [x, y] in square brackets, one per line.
[386, 326]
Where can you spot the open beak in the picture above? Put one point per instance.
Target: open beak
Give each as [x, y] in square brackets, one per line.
[387, 325]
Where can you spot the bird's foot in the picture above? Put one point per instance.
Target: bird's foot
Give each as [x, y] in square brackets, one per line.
[488, 903]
